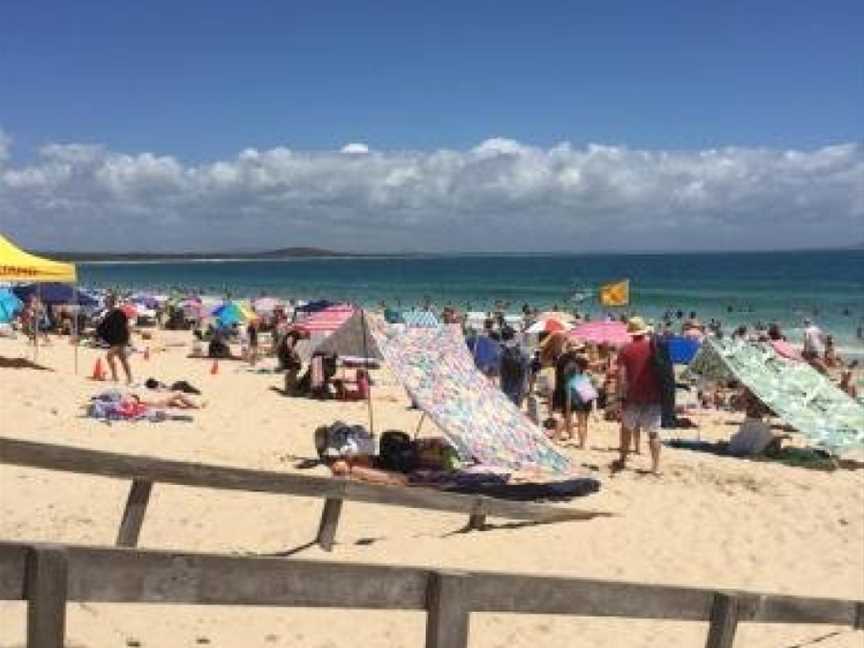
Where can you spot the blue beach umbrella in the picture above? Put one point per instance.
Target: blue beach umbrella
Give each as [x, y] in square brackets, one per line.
[229, 314]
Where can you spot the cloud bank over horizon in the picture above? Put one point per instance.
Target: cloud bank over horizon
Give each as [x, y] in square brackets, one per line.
[501, 195]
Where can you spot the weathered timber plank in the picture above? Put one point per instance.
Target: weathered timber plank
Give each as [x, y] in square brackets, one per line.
[329, 523]
[116, 575]
[129, 575]
[448, 610]
[724, 621]
[133, 514]
[46, 585]
[13, 569]
[495, 592]
[109, 464]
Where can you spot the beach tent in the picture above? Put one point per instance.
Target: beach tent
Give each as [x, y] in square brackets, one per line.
[682, 349]
[353, 339]
[314, 307]
[420, 319]
[9, 305]
[613, 333]
[392, 316]
[436, 368]
[54, 294]
[18, 265]
[794, 391]
[326, 321]
[485, 352]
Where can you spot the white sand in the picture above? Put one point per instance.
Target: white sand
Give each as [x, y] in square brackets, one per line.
[708, 522]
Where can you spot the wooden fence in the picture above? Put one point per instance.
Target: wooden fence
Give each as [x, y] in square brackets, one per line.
[47, 576]
[147, 471]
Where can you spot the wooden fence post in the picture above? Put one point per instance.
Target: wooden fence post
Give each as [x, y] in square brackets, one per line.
[329, 522]
[724, 621]
[476, 521]
[449, 606]
[133, 514]
[46, 589]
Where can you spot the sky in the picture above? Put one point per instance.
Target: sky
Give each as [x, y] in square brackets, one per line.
[433, 126]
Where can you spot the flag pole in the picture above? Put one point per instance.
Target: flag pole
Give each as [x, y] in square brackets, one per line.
[369, 382]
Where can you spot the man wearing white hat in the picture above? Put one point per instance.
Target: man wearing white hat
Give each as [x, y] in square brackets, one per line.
[640, 391]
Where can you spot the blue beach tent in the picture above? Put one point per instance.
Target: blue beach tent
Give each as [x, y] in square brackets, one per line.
[682, 349]
[55, 293]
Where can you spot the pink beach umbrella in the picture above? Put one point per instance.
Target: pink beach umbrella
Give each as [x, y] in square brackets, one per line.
[266, 304]
[548, 325]
[614, 333]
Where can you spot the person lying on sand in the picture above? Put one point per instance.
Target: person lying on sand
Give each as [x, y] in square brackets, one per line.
[178, 400]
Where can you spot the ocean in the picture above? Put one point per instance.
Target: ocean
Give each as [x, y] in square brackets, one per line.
[735, 288]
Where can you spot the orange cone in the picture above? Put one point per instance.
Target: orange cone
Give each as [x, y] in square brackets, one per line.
[146, 353]
[215, 368]
[98, 371]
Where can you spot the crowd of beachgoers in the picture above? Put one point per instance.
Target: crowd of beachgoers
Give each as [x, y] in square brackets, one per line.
[563, 368]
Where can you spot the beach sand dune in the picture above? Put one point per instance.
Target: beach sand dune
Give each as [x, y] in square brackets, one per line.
[708, 522]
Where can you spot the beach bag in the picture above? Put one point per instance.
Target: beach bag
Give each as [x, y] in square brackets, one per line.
[341, 440]
[581, 389]
[396, 452]
[437, 454]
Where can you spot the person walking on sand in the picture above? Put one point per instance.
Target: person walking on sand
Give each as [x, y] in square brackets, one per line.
[114, 331]
[640, 391]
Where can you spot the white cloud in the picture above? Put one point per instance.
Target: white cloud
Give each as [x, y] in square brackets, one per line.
[5, 143]
[355, 148]
[500, 195]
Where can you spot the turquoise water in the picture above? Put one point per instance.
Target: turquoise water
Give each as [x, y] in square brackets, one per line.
[782, 286]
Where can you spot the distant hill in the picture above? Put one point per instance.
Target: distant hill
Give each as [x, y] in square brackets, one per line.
[281, 253]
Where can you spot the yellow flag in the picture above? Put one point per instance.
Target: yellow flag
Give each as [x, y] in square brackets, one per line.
[615, 294]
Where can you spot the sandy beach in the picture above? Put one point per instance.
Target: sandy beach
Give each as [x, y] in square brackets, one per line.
[708, 521]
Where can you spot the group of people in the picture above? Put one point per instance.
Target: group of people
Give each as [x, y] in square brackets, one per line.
[629, 385]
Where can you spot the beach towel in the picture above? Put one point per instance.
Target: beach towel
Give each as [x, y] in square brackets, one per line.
[436, 368]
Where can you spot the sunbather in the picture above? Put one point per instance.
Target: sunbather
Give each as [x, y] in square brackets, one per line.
[177, 400]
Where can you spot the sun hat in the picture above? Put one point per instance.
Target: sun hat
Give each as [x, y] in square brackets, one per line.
[637, 326]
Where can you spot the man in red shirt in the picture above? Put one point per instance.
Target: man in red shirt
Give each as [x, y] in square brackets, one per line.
[639, 389]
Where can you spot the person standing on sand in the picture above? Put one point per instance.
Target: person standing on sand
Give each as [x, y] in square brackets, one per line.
[639, 388]
[814, 346]
[252, 334]
[114, 331]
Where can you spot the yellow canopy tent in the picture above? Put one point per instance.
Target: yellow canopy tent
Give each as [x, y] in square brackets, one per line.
[18, 265]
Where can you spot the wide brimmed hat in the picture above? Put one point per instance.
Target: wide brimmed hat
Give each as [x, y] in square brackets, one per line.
[637, 326]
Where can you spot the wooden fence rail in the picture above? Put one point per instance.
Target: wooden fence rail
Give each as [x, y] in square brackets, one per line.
[47, 576]
[147, 471]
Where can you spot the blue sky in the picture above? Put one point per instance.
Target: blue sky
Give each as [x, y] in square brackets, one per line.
[202, 81]
[206, 79]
